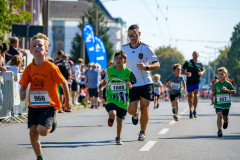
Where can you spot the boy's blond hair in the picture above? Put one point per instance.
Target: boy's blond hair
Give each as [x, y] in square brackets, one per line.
[43, 37]
[157, 75]
[176, 66]
[223, 69]
[65, 55]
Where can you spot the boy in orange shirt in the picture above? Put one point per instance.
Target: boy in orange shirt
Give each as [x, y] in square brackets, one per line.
[43, 77]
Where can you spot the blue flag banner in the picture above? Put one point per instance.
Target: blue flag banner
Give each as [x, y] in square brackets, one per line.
[101, 52]
[88, 35]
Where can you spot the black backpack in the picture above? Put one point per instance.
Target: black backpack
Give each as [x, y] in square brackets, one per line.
[64, 68]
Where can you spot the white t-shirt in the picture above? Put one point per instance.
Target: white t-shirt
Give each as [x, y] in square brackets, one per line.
[13, 68]
[157, 87]
[142, 77]
[76, 69]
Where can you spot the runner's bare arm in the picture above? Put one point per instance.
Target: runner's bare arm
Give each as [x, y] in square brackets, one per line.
[151, 67]
[201, 73]
[23, 93]
[228, 90]
[68, 103]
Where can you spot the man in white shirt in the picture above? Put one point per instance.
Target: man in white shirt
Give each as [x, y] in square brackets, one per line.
[141, 60]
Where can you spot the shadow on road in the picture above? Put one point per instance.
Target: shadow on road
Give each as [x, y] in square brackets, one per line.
[76, 144]
[79, 126]
[214, 137]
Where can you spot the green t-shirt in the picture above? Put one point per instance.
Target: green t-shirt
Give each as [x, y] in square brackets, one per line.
[118, 91]
[223, 98]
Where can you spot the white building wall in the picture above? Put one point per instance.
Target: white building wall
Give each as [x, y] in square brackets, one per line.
[71, 28]
[50, 37]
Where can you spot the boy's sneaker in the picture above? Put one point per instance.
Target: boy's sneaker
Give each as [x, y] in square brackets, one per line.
[173, 111]
[154, 106]
[191, 114]
[119, 141]
[195, 113]
[225, 125]
[40, 158]
[60, 111]
[175, 117]
[135, 119]
[110, 122]
[141, 136]
[220, 133]
[92, 107]
[157, 105]
[54, 125]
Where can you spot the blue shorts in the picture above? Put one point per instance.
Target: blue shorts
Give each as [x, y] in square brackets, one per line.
[191, 88]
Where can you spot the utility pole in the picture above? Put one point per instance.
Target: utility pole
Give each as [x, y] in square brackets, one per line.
[82, 51]
[96, 21]
[45, 12]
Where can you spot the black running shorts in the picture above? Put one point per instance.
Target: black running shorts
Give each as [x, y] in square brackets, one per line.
[41, 116]
[121, 113]
[173, 96]
[93, 92]
[224, 111]
[146, 91]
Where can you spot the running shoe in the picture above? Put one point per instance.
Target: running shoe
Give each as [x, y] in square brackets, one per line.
[220, 134]
[195, 113]
[60, 111]
[154, 106]
[54, 125]
[110, 122]
[157, 105]
[141, 136]
[92, 107]
[191, 114]
[67, 110]
[135, 119]
[40, 158]
[119, 141]
[175, 117]
[173, 111]
[225, 125]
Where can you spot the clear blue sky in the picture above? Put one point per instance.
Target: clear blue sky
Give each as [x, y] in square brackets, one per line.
[208, 20]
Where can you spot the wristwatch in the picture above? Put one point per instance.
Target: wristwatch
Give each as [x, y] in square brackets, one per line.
[146, 68]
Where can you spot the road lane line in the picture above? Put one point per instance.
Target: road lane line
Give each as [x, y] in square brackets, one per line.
[148, 146]
[172, 122]
[164, 131]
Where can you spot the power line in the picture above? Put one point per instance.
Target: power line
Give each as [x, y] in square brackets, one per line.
[208, 41]
[158, 26]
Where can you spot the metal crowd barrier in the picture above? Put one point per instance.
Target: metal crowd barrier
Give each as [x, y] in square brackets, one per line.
[11, 107]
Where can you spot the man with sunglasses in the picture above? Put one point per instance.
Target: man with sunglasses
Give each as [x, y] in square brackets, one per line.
[141, 60]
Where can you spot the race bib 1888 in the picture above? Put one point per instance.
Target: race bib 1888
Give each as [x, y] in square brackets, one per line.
[118, 86]
[223, 98]
[38, 98]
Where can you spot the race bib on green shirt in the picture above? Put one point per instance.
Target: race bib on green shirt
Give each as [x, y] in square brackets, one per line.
[223, 98]
[117, 87]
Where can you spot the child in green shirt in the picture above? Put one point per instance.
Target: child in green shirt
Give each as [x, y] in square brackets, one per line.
[119, 80]
[223, 90]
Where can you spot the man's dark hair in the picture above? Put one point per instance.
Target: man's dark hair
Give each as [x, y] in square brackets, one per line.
[134, 26]
[13, 40]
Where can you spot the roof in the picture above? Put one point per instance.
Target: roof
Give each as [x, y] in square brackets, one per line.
[65, 10]
[73, 10]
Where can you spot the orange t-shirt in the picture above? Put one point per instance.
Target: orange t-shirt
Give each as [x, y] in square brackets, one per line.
[43, 78]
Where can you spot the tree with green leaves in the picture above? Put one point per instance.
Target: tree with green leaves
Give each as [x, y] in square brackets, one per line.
[167, 56]
[102, 33]
[233, 55]
[10, 13]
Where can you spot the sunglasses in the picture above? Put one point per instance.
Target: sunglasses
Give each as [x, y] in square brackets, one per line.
[132, 35]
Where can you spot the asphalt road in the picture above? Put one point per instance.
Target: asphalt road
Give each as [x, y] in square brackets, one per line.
[85, 135]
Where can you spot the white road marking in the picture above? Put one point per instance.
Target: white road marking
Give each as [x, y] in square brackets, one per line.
[164, 131]
[148, 146]
[172, 122]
